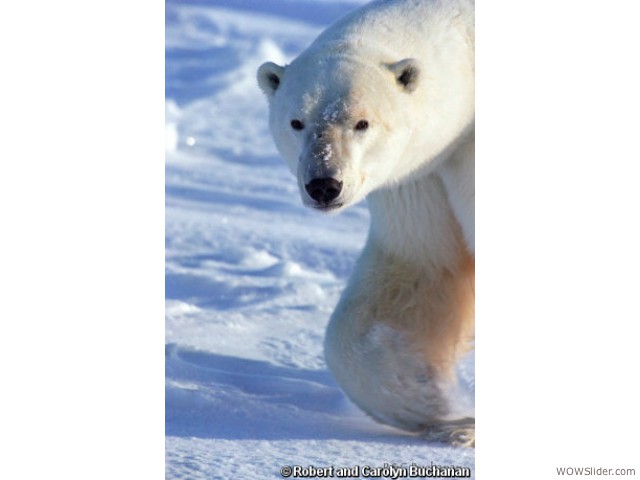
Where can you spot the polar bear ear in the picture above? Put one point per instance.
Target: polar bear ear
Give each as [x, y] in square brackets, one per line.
[407, 73]
[269, 77]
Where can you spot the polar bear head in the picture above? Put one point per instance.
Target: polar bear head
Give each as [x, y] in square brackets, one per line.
[341, 124]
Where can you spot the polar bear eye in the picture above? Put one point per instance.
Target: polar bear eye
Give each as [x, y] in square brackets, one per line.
[362, 125]
[297, 124]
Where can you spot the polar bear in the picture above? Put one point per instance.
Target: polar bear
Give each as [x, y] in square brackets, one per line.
[381, 106]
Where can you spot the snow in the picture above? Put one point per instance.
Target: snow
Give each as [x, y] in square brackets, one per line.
[251, 275]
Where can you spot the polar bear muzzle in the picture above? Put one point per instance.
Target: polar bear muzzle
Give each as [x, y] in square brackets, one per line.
[324, 190]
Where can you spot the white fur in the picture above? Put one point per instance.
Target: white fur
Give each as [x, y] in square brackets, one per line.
[407, 68]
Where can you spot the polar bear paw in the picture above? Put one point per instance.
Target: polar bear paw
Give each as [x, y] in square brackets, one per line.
[457, 433]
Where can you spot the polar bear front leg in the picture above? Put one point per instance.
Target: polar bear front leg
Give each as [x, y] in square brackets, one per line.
[396, 334]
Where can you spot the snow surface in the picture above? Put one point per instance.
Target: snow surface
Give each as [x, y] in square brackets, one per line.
[251, 275]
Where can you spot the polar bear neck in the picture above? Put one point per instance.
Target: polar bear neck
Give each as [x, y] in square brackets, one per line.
[414, 221]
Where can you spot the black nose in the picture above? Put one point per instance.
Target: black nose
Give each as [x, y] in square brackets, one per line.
[324, 190]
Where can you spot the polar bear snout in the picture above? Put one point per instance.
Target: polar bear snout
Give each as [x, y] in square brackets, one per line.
[324, 190]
